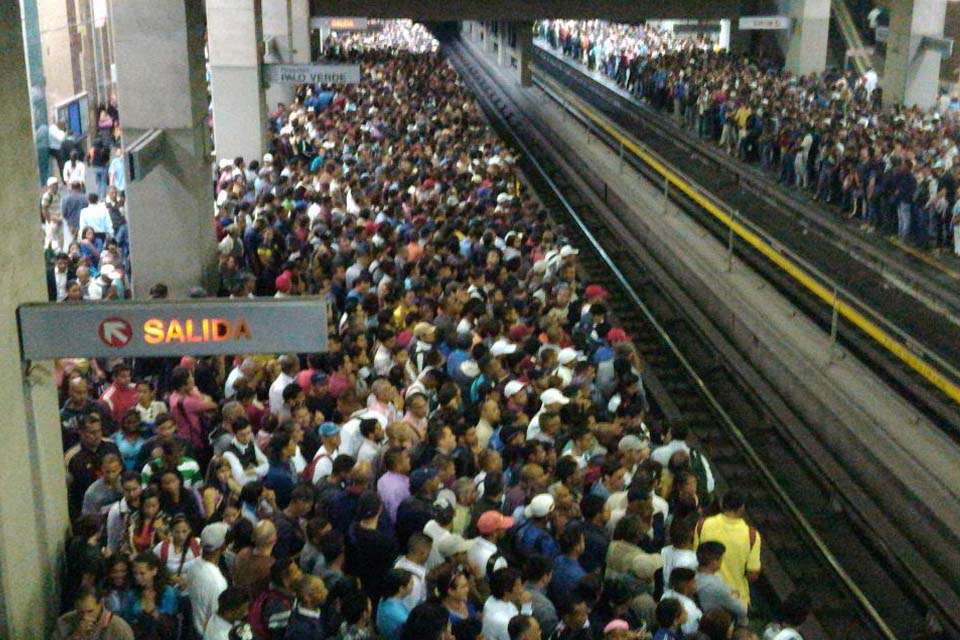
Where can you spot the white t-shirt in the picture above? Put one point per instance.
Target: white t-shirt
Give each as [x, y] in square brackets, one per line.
[205, 583]
[217, 629]
[674, 558]
[694, 614]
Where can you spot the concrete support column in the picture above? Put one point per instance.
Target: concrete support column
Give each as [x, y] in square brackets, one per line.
[33, 496]
[235, 47]
[503, 43]
[161, 84]
[807, 50]
[524, 51]
[911, 74]
[286, 36]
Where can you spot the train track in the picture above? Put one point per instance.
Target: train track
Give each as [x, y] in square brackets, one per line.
[919, 327]
[788, 501]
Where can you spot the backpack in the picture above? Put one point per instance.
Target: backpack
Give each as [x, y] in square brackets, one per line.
[699, 467]
[307, 474]
[255, 614]
[166, 545]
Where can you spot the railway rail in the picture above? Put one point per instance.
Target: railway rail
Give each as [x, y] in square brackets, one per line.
[857, 596]
[912, 346]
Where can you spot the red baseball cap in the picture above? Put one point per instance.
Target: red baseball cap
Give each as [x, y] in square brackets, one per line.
[493, 521]
[616, 335]
[596, 291]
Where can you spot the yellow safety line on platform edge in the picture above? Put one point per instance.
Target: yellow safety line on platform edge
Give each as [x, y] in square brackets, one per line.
[797, 273]
[920, 255]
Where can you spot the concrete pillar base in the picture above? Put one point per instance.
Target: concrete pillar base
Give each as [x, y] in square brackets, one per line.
[807, 48]
[161, 85]
[911, 74]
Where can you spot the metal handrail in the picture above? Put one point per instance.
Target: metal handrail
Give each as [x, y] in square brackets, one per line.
[840, 292]
[850, 33]
[726, 420]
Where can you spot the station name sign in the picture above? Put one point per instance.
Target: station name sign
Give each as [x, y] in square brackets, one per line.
[334, 23]
[763, 23]
[312, 73]
[172, 328]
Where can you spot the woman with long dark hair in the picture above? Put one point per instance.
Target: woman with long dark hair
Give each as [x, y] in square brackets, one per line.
[150, 605]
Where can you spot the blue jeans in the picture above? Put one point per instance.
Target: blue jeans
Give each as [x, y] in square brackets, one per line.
[103, 181]
[904, 213]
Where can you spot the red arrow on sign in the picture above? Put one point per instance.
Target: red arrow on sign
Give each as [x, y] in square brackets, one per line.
[115, 332]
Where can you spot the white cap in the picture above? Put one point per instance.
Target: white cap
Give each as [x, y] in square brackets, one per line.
[541, 506]
[513, 387]
[51, 181]
[568, 251]
[452, 544]
[632, 443]
[553, 396]
[224, 163]
[469, 368]
[502, 348]
[568, 355]
[214, 536]
[504, 197]
[267, 158]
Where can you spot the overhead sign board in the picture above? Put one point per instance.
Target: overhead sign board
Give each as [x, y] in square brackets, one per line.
[763, 23]
[172, 328]
[336, 23]
[312, 73]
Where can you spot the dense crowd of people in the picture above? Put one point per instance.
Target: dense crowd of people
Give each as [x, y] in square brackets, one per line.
[891, 167]
[474, 456]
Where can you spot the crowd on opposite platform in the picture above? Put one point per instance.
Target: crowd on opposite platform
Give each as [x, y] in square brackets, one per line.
[892, 167]
[475, 455]
[82, 213]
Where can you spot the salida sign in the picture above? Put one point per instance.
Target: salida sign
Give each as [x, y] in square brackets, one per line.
[162, 328]
[192, 331]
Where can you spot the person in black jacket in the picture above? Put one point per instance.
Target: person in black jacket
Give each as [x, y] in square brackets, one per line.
[370, 552]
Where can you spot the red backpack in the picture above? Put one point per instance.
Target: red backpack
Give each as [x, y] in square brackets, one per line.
[255, 614]
[307, 474]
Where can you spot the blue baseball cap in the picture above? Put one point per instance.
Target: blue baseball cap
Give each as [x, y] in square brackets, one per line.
[328, 429]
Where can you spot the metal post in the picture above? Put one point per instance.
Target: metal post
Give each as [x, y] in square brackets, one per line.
[666, 194]
[834, 321]
[621, 158]
[730, 244]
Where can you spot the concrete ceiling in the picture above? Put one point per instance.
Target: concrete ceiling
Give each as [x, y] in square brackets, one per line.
[435, 10]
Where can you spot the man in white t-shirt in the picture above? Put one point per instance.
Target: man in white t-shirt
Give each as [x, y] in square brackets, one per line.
[204, 580]
[289, 366]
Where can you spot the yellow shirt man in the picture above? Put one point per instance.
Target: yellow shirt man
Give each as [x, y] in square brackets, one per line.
[741, 561]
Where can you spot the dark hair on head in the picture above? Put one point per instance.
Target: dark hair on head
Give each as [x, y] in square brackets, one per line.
[668, 611]
[280, 568]
[427, 621]
[179, 377]
[129, 476]
[392, 457]
[291, 391]
[536, 567]
[315, 526]
[682, 529]
[568, 602]
[232, 598]
[240, 535]
[368, 505]
[681, 576]
[86, 525]
[732, 500]
[343, 464]
[353, 606]
[591, 506]
[368, 426]
[251, 492]
[467, 629]
[795, 608]
[279, 441]
[394, 580]
[570, 537]
[566, 468]
[715, 624]
[493, 484]
[629, 528]
[519, 625]
[502, 581]
[148, 557]
[87, 591]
